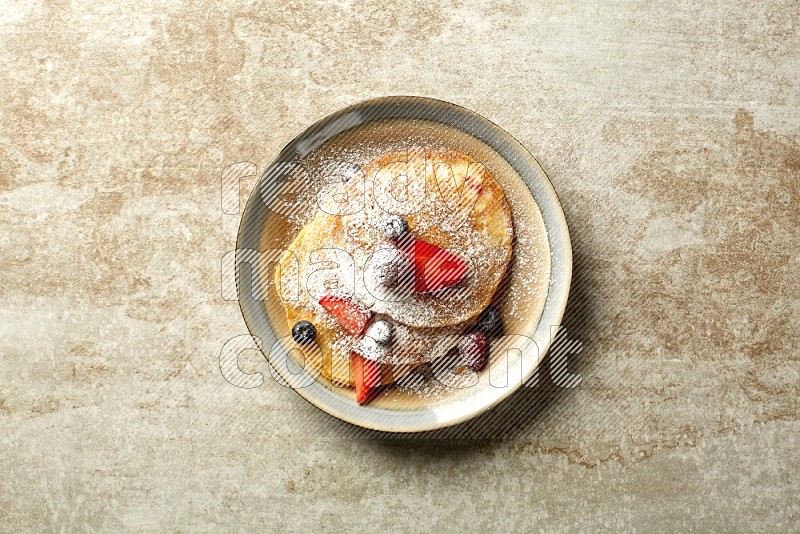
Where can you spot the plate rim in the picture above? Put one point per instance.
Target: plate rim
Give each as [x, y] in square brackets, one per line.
[380, 419]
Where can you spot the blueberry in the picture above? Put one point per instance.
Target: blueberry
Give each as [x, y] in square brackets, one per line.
[490, 322]
[304, 332]
[381, 331]
[394, 226]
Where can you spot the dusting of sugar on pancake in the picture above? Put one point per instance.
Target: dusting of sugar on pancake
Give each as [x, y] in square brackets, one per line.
[480, 233]
[455, 203]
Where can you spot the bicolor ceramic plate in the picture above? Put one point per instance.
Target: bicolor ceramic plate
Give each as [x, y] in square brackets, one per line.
[532, 296]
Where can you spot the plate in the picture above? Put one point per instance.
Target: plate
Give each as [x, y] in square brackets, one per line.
[534, 297]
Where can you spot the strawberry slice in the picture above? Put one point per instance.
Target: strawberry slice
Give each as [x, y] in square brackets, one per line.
[434, 267]
[366, 375]
[350, 315]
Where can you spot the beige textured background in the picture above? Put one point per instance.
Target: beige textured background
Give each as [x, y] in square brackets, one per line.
[671, 131]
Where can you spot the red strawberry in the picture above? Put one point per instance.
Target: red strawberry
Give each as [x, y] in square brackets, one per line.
[350, 315]
[366, 375]
[434, 267]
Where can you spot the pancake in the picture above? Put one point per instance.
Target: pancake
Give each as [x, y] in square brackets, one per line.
[448, 200]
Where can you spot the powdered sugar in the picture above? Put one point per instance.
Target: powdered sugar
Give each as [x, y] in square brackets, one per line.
[357, 233]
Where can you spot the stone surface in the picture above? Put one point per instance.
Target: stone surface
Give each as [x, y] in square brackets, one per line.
[670, 130]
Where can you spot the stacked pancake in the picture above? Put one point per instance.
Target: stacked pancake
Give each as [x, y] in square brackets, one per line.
[418, 240]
